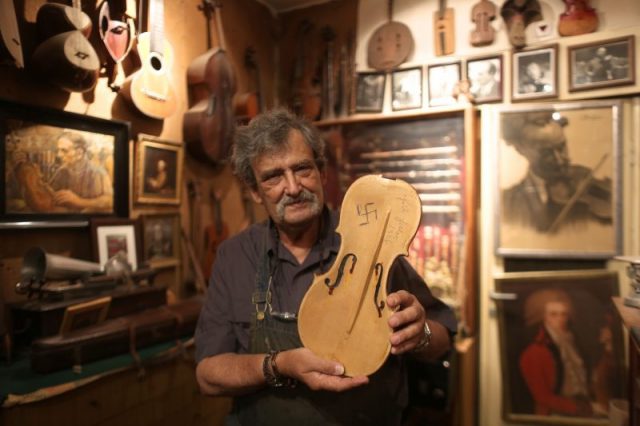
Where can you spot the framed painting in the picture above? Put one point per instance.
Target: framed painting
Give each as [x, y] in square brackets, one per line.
[443, 80]
[370, 91]
[602, 64]
[559, 180]
[158, 171]
[485, 79]
[535, 73]
[407, 89]
[110, 237]
[161, 238]
[60, 168]
[85, 314]
[561, 346]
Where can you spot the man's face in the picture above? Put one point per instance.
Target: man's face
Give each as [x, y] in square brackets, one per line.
[483, 75]
[65, 151]
[543, 143]
[289, 184]
[556, 316]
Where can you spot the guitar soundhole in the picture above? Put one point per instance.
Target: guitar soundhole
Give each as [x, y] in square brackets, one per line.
[156, 63]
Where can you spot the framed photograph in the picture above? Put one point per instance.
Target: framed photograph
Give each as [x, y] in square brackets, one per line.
[535, 73]
[407, 89]
[113, 236]
[85, 314]
[602, 64]
[59, 168]
[561, 347]
[370, 91]
[559, 180]
[485, 79]
[443, 80]
[158, 171]
[161, 237]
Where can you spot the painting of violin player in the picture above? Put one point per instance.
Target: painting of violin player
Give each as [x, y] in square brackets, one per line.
[556, 178]
[52, 170]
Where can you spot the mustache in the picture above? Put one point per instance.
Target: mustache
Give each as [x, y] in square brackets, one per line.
[304, 195]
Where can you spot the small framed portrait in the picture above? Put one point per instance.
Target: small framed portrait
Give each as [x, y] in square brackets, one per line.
[407, 89]
[161, 238]
[603, 64]
[158, 171]
[559, 180]
[443, 82]
[113, 237]
[485, 79]
[562, 347]
[370, 91]
[535, 73]
[85, 314]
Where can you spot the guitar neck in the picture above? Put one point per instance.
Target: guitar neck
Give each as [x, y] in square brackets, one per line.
[156, 26]
[77, 4]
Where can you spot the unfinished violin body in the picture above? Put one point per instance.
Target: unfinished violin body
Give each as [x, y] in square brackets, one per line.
[344, 316]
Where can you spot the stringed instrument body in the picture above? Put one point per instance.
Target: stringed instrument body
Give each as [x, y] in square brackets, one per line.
[215, 234]
[150, 89]
[117, 35]
[578, 18]
[11, 40]
[390, 44]
[306, 94]
[56, 18]
[443, 27]
[482, 14]
[209, 124]
[344, 316]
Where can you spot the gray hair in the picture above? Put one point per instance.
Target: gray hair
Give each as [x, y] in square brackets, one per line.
[268, 133]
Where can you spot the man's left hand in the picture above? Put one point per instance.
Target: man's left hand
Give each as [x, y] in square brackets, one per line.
[407, 321]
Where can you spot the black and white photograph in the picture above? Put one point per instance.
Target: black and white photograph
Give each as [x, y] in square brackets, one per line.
[535, 74]
[603, 64]
[443, 82]
[407, 89]
[370, 91]
[485, 79]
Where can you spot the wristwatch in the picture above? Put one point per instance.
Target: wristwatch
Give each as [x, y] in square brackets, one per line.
[272, 375]
[426, 338]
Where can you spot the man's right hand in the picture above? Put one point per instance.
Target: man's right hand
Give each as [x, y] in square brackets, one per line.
[315, 372]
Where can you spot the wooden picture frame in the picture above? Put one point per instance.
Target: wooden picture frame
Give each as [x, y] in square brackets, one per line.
[534, 310]
[85, 314]
[406, 89]
[161, 238]
[442, 80]
[602, 64]
[485, 78]
[110, 236]
[535, 73]
[370, 91]
[544, 206]
[158, 171]
[61, 168]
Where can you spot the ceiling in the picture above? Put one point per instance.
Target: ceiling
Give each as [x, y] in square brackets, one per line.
[280, 6]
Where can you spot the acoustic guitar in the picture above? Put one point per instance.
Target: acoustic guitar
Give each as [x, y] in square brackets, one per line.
[66, 57]
[10, 33]
[149, 89]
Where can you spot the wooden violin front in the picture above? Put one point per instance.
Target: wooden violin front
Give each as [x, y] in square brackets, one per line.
[344, 316]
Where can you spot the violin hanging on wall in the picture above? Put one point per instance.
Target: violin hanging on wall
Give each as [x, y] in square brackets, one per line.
[578, 18]
[482, 14]
[378, 220]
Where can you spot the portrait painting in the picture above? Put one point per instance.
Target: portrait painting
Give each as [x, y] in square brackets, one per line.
[407, 89]
[60, 166]
[561, 346]
[370, 91]
[559, 180]
[534, 74]
[485, 79]
[443, 80]
[603, 64]
[116, 237]
[161, 233]
[158, 171]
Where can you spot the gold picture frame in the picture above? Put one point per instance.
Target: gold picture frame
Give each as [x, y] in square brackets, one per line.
[85, 314]
[161, 238]
[158, 171]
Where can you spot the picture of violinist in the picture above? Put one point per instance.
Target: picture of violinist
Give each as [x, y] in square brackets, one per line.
[556, 180]
[534, 73]
[601, 64]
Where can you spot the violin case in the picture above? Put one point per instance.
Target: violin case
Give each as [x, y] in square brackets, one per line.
[116, 336]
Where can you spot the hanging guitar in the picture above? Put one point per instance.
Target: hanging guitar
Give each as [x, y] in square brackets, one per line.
[390, 45]
[209, 124]
[482, 14]
[149, 89]
[444, 33]
[578, 18]
[215, 234]
[10, 33]
[66, 57]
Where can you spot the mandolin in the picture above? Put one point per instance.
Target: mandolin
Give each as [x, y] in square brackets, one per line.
[378, 219]
[443, 26]
[390, 44]
[10, 32]
[482, 14]
[149, 89]
[209, 124]
[578, 18]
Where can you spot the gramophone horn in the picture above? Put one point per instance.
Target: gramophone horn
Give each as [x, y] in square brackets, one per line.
[38, 265]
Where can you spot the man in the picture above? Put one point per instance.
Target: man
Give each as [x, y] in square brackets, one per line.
[247, 344]
[484, 81]
[554, 193]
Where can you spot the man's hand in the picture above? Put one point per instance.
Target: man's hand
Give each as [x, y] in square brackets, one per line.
[68, 198]
[317, 373]
[407, 321]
